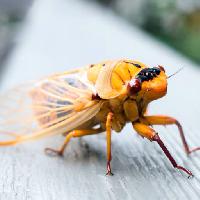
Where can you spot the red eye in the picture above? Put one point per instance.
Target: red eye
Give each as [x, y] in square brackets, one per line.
[134, 86]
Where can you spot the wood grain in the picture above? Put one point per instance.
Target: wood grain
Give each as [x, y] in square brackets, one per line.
[58, 35]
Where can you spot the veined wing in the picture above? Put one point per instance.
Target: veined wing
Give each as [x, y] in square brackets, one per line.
[53, 105]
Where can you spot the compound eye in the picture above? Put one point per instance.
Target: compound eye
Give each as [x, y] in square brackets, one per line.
[134, 86]
[156, 70]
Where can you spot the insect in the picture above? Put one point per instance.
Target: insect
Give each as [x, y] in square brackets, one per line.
[94, 99]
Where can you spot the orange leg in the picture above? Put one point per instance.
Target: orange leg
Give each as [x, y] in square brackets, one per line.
[108, 137]
[165, 120]
[149, 133]
[75, 133]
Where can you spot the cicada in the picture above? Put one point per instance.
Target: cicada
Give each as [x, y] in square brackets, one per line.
[91, 100]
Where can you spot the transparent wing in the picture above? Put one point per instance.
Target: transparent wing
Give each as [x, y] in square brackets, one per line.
[53, 105]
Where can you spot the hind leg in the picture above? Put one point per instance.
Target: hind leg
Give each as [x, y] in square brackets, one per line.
[166, 120]
[150, 134]
[75, 133]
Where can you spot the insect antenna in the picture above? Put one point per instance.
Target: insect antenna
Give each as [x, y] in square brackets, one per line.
[175, 72]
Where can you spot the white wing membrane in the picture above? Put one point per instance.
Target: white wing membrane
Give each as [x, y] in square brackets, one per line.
[53, 105]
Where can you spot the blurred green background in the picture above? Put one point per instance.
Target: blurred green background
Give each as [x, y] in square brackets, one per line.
[12, 14]
[176, 22]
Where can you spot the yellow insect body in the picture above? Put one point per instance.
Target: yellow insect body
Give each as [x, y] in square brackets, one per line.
[108, 94]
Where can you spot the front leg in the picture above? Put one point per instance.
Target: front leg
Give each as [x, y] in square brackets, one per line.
[166, 120]
[150, 134]
[108, 138]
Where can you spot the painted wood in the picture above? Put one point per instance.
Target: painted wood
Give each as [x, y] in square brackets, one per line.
[59, 35]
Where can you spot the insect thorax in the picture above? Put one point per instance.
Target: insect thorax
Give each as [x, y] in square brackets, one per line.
[124, 110]
[122, 71]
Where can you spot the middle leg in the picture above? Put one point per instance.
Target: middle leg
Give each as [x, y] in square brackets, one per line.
[108, 137]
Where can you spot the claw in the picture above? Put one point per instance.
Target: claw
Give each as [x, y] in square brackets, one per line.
[193, 150]
[109, 169]
[109, 173]
[185, 170]
[53, 152]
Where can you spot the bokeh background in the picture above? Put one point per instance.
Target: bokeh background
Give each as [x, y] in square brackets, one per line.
[175, 22]
[12, 13]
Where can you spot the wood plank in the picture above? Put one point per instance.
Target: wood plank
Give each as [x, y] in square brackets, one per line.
[59, 35]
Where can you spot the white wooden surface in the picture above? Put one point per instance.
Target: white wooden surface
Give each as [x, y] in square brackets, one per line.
[61, 34]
